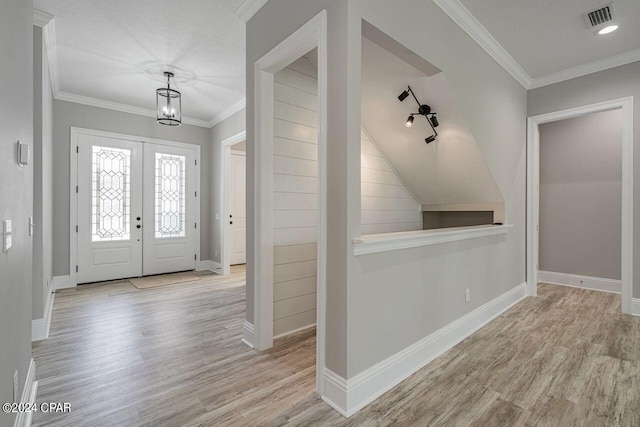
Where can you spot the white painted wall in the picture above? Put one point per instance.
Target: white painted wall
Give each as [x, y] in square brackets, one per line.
[387, 205]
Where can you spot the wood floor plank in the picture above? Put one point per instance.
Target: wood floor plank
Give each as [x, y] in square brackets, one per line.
[172, 356]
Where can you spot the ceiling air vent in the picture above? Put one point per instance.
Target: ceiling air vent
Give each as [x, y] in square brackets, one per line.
[600, 16]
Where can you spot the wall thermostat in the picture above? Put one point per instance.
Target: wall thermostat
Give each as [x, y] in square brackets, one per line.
[24, 154]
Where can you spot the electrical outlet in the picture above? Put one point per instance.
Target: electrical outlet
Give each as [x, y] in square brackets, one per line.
[467, 295]
[16, 399]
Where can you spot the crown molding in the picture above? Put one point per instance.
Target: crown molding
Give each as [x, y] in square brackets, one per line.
[40, 18]
[225, 114]
[583, 70]
[249, 8]
[123, 108]
[461, 16]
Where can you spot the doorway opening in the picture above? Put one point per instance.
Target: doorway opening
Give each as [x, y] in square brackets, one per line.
[134, 206]
[624, 105]
[233, 224]
[289, 245]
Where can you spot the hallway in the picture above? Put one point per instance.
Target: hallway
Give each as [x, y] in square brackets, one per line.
[172, 356]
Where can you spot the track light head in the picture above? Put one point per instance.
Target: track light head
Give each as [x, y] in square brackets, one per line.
[409, 122]
[403, 95]
[430, 139]
[434, 121]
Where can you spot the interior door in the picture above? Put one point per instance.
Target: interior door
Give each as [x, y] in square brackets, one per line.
[238, 208]
[169, 221]
[109, 208]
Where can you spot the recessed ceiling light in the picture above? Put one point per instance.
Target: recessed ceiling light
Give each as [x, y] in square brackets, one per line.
[607, 30]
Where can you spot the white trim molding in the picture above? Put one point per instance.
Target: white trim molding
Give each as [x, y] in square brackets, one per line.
[375, 243]
[248, 334]
[248, 8]
[461, 16]
[470, 25]
[313, 34]
[348, 396]
[207, 264]
[578, 281]
[40, 18]
[40, 327]
[226, 113]
[62, 282]
[533, 190]
[635, 308]
[23, 419]
[589, 68]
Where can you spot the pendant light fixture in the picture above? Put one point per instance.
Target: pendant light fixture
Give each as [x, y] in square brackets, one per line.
[423, 110]
[168, 104]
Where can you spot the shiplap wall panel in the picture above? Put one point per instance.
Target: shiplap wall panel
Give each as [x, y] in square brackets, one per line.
[387, 205]
[295, 184]
[289, 324]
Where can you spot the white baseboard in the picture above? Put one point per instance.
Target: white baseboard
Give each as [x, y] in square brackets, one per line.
[349, 396]
[583, 282]
[62, 282]
[635, 307]
[40, 327]
[295, 331]
[248, 334]
[208, 264]
[23, 419]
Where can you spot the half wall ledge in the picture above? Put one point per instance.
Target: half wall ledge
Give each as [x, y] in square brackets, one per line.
[375, 243]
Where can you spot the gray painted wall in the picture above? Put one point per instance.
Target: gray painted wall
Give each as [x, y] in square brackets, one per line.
[606, 85]
[223, 130]
[422, 289]
[16, 195]
[581, 195]
[67, 115]
[42, 176]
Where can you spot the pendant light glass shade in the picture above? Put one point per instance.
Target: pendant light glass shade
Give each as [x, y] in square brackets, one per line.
[168, 104]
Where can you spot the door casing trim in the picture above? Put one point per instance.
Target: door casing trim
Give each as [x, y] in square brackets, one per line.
[73, 182]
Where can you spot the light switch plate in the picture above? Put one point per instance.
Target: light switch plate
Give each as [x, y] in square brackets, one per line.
[30, 226]
[7, 234]
[24, 154]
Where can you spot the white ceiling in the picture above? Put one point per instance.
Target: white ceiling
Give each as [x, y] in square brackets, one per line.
[449, 170]
[546, 37]
[116, 51]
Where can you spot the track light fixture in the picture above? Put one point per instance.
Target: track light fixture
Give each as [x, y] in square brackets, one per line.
[423, 110]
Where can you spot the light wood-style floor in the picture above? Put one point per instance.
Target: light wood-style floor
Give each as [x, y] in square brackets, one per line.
[172, 356]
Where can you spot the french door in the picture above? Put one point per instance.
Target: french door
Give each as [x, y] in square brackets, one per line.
[136, 208]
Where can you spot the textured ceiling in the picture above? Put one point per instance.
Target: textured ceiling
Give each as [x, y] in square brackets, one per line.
[547, 36]
[449, 170]
[116, 51]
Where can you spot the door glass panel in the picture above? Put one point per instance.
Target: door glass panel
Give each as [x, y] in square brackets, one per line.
[110, 194]
[170, 195]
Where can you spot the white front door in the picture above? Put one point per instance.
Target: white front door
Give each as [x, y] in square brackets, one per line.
[136, 208]
[169, 221]
[109, 203]
[238, 208]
